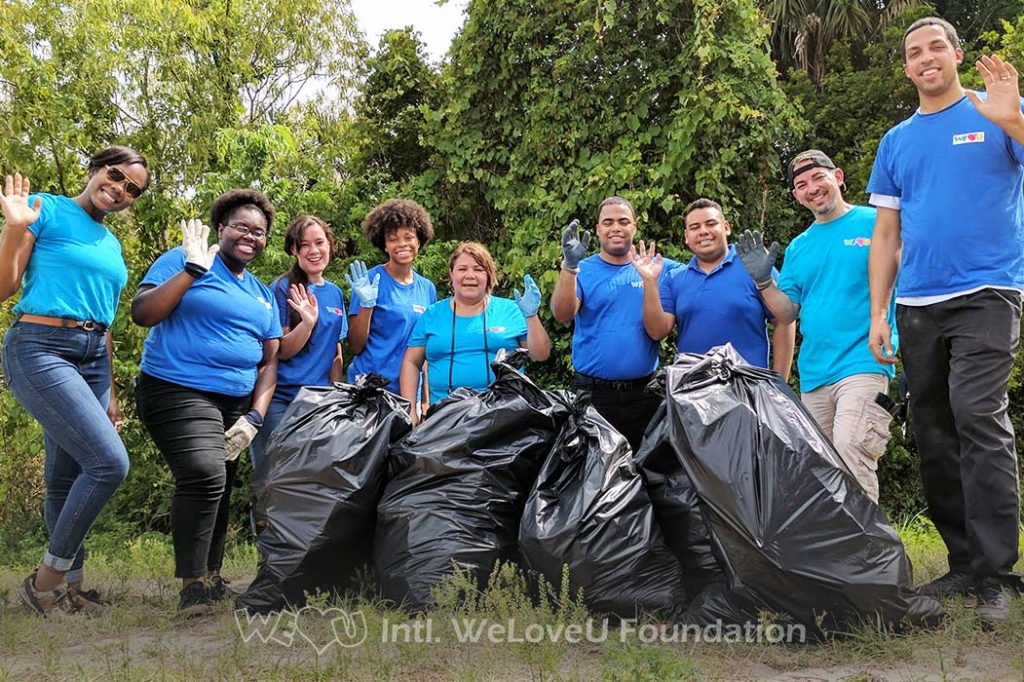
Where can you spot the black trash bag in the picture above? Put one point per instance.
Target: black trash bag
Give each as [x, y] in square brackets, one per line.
[316, 490]
[461, 479]
[589, 510]
[721, 604]
[677, 507]
[792, 523]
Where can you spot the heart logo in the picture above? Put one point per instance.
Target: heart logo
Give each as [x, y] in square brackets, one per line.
[972, 137]
[312, 624]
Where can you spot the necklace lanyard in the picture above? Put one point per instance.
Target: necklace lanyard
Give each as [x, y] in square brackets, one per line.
[451, 357]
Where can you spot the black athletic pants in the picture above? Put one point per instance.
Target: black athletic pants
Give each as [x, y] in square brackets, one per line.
[958, 355]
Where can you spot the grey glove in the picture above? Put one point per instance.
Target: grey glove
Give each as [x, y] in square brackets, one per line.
[238, 437]
[574, 247]
[757, 261]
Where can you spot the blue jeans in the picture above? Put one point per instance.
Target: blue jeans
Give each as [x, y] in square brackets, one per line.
[278, 406]
[62, 378]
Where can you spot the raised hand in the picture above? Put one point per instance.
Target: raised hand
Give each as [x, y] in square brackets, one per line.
[304, 303]
[647, 261]
[362, 288]
[1002, 93]
[14, 202]
[529, 300]
[195, 239]
[574, 247]
[757, 260]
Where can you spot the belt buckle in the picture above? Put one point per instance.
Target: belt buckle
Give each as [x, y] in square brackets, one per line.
[88, 325]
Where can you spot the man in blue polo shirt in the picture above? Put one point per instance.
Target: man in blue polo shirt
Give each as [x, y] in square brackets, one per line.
[823, 282]
[612, 355]
[947, 184]
[712, 299]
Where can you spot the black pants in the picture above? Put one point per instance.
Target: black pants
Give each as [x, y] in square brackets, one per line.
[188, 427]
[958, 355]
[628, 411]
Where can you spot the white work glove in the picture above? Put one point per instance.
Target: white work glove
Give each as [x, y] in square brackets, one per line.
[238, 437]
[195, 237]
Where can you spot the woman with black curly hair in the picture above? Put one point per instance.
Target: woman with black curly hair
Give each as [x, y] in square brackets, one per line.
[209, 367]
[388, 298]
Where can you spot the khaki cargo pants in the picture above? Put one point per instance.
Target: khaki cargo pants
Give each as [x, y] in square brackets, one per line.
[855, 423]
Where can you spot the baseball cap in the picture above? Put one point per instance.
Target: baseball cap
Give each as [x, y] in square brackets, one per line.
[804, 161]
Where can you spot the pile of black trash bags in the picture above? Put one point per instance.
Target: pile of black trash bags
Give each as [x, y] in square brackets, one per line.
[734, 506]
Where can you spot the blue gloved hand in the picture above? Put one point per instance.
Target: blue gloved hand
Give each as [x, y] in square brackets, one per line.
[757, 261]
[360, 284]
[529, 300]
[574, 247]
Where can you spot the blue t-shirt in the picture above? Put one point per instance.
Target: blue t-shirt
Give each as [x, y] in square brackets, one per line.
[472, 365]
[213, 340]
[959, 179]
[311, 365]
[826, 274]
[608, 339]
[398, 308]
[76, 269]
[717, 307]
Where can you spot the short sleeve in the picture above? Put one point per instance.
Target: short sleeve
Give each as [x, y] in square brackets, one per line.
[166, 266]
[45, 214]
[274, 330]
[418, 338]
[787, 281]
[519, 324]
[665, 291]
[882, 180]
[433, 292]
[280, 290]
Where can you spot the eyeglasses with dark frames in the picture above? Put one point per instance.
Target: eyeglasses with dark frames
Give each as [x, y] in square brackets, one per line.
[254, 232]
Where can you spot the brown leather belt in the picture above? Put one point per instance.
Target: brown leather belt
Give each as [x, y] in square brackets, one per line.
[87, 325]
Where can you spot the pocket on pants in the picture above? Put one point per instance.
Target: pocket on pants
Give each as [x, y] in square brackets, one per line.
[873, 427]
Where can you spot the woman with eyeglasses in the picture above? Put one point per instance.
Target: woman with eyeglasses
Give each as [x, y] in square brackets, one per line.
[57, 356]
[460, 335]
[311, 310]
[389, 298]
[209, 366]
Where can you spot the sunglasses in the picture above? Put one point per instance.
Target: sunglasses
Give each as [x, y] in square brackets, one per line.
[116, 175]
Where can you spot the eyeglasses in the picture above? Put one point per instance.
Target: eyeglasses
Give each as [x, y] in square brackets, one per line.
[117, 175]
[243, 230]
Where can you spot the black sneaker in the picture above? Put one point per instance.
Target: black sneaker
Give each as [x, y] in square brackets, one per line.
[953, 584]
[993, 603]
[219, 590]
[195, 600]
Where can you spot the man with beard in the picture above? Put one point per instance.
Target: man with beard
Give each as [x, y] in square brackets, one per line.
[823, 283]
[712, 299]
[947, 183]
[612, 355]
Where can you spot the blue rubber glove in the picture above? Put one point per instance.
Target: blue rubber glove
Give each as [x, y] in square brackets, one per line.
[361, 286]
[529, 300]
[574, 247]
[757, 261]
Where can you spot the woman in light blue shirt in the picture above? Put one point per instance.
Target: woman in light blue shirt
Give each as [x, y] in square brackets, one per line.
[57, 356]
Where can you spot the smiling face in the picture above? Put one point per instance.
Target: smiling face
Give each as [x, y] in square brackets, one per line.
[616, 228]
[470, 282]
[237, 249]
[107, 195]
[931, 61]
[707, 234]
[313, 252]
[402, 244]
[817, 189]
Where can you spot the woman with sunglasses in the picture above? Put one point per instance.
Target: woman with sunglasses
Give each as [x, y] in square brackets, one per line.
[57, 356]
[313, 323]
[460, 335]
[389, 298]
[209, 366]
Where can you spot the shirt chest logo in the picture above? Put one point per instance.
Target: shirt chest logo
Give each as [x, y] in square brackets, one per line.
[334, 311]
[968, 138]
[496, 330]
[266, 304]
[859, 241]
[418, 309]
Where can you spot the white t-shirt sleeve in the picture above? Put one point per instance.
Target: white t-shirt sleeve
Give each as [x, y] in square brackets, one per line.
[885, 201]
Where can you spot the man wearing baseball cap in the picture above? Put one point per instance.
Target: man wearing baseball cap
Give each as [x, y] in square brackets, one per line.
[824, 283]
